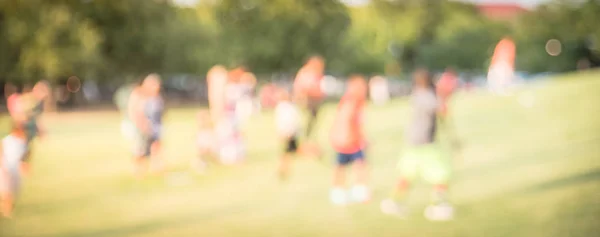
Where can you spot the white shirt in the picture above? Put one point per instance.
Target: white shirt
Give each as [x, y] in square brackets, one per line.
[287, 119]
[13, 150]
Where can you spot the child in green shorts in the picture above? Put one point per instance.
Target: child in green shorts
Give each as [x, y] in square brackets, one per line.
[423, 157]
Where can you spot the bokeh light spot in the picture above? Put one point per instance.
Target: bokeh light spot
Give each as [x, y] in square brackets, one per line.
[553, 47]
[73, 84]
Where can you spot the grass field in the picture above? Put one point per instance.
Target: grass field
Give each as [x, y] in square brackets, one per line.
[524, 171]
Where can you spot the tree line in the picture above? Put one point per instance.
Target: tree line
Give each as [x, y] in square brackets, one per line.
[121, 40]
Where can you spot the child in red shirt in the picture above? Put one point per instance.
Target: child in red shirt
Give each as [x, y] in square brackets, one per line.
[348, 141]
[445, 88]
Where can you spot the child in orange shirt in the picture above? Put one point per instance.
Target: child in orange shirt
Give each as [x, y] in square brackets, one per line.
[348, 141]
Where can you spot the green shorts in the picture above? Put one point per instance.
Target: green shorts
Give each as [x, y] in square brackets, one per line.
[430, 162]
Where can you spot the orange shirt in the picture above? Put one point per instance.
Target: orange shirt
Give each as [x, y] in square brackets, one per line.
[346, 134]
[504, 53]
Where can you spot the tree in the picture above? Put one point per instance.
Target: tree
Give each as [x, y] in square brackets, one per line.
[569, 22]
[47, 43]
[134, 32]
[278, 35]
[436, 34]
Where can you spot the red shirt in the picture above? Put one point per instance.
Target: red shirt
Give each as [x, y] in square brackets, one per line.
[11, 101]
[346, 134]
[446, 85]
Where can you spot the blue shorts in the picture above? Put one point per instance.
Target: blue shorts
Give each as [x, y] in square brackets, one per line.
[143, 144]
[345, 159]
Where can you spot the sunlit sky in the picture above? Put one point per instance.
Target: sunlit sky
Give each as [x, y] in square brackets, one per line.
[526, 3]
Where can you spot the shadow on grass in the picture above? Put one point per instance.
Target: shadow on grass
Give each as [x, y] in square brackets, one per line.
[562, 182]
[170, 221]
[534, 157]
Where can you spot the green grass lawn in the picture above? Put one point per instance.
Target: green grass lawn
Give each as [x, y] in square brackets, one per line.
[524, 171]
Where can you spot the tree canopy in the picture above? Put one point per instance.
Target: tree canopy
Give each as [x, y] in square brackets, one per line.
[110, 40]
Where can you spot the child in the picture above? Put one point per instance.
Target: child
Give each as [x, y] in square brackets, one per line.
[422, 156]
[287, 121]
[307, 91]
[206, 140]
[444, 90]
[146, 109]
[231, 142]
[26, 110]
[349, 142]
[12, 150]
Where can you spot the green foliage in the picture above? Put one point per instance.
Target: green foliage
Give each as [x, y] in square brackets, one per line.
[463, 40]
[278, 35]
[49, 43]
[128, 38]
[572, 24]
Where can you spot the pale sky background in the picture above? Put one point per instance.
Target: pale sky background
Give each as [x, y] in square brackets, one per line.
[525, 3]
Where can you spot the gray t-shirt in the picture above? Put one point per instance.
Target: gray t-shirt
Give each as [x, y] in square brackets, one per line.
[421, 128]
[154, 110]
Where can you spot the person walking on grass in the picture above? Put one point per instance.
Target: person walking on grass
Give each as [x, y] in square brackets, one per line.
[349, 142]
[308, 92]
[13, 149]
[423, 157]
[26, 111]
[146, 109]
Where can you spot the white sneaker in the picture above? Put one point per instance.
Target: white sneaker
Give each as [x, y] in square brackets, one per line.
[360, 193]
[439, 212]
[338, 197]
[391, 207]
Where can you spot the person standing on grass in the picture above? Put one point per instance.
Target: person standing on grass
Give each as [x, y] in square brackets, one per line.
[218, 82]
[287, 122]
[231, 141]
[422, 156]
[307, 90]
[146, 109]
[348, 140]
[444, 90]
[13, 149]
[26, 110]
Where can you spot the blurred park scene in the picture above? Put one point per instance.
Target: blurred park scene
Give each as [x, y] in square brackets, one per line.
[528, 163]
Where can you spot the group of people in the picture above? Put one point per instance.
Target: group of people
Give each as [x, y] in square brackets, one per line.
[230, 97]
[25, 109]
[219, 136]
[423, 154]
[230, 103]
